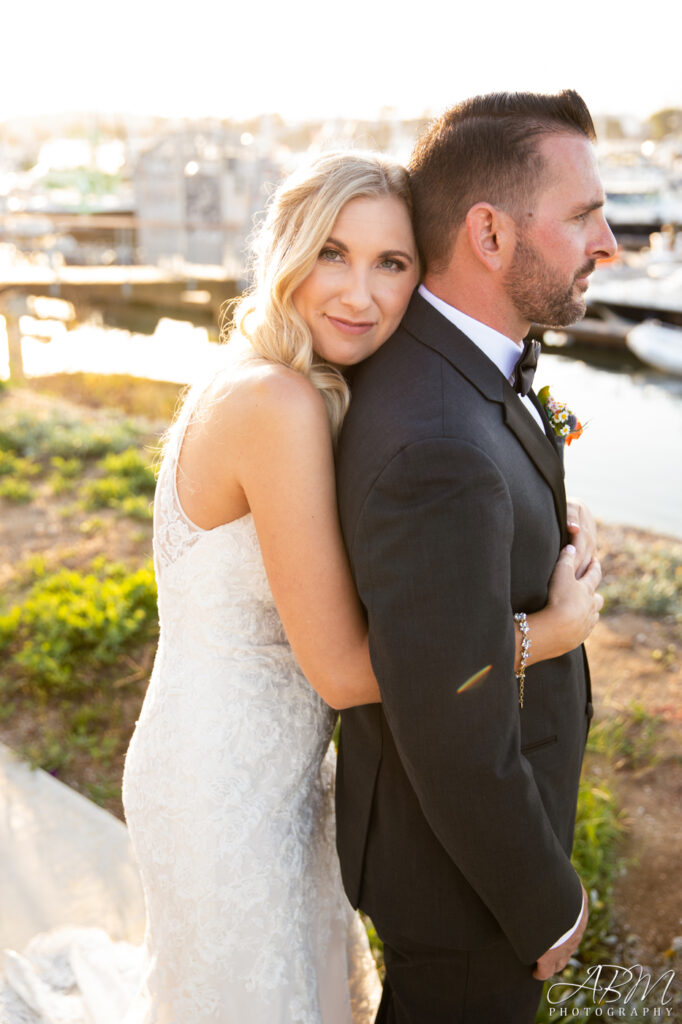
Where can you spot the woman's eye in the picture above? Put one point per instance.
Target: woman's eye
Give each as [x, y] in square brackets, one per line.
[330, 255]
[392, 264]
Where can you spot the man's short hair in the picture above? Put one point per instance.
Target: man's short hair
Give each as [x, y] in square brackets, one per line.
[484, 150]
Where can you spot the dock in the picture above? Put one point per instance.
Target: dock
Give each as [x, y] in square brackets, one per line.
[186, 287]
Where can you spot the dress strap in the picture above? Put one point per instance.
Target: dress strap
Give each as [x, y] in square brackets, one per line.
[174, 532]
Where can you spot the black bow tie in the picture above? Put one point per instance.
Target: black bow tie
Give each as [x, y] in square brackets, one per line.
[522, 377]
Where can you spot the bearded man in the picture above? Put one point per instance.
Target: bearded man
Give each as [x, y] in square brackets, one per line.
[456, 796]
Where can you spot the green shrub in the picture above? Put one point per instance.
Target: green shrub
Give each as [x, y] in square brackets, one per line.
[70, 624]
[652, 585]
[13, 465]
[35, 437]
[131, 465]
[66, 467]
[106, 492]
[15, 471]
[597, 833]
[128, 484]
[595, 858]
[629, 740]
[103, 791]
[65, 473]
[137, 506]
[16, 490]
[116, 492]
[48, 752]
[61, 484]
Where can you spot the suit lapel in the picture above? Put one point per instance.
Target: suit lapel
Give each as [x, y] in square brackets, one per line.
[557, 442]
[430, 328]
[540, 450]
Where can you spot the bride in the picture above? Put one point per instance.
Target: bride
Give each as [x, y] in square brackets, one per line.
[228, 779]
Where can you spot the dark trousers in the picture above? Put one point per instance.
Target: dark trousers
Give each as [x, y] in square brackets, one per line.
[449, 986]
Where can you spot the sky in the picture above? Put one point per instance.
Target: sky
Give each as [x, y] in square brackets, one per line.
[333, 58]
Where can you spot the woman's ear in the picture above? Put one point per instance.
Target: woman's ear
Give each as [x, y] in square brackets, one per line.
[491, 235]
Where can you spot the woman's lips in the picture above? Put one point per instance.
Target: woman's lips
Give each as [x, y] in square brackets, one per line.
[351, 326]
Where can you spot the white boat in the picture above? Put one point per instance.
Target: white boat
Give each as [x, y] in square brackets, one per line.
[654, 288]
[659, 345]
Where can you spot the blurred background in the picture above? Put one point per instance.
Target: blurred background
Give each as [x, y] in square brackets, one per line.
[139, 142]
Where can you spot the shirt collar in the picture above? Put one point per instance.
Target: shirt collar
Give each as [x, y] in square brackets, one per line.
[500, 349]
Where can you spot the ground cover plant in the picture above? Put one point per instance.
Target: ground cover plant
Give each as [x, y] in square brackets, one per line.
[78, 619]
[70, 624]
[102, 464]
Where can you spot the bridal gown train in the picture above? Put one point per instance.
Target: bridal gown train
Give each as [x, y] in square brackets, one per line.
[228, 795]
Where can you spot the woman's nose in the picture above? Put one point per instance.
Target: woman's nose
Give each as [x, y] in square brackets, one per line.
[357, 291]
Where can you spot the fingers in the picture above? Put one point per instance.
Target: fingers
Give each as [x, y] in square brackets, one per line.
[567, 556]
[597, 602]
[578, 512]
[564, 571]
[565, 565]
[545, 968]
[591, 578]
[542, 973]
[555, 960]
[583, 531]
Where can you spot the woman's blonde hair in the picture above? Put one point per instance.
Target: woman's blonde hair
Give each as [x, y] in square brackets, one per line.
[299, 220]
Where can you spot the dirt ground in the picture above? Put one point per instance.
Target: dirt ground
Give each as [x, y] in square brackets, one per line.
[636, 660]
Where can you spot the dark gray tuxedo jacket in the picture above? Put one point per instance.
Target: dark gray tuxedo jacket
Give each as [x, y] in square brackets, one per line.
[455, 807]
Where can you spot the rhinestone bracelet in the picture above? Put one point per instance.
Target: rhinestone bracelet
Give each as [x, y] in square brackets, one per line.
[522, 620]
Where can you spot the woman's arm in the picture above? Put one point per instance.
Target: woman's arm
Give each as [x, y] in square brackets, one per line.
[284, 462]
[571, 612]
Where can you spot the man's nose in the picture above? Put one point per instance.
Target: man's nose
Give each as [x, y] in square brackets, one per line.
[605, 244]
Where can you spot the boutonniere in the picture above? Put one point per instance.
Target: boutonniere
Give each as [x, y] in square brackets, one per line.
[564, 423]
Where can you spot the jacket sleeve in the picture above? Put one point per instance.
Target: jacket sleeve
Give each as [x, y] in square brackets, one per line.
[432, 556]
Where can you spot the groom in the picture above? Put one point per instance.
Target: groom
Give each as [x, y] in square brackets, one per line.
[456, 805]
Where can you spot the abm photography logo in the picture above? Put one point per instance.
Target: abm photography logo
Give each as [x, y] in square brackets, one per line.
[628, 993]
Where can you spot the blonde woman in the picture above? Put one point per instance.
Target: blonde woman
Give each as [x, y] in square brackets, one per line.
[228, 780]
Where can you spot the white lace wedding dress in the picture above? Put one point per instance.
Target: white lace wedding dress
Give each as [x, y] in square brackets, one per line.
[228, 794]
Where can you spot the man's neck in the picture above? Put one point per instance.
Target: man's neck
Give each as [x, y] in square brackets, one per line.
[487, 308]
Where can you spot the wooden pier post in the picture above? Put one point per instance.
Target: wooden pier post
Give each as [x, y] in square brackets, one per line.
[13, 306]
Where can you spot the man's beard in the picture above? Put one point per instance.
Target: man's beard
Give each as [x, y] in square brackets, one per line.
[537, 292]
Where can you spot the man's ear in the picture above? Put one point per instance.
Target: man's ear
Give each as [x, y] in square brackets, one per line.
[491, 235]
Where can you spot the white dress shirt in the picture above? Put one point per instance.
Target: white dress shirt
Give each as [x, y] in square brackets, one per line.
[500, 349]
[505, 354]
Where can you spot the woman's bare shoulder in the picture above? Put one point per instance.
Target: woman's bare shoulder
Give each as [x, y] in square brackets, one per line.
[257, 393]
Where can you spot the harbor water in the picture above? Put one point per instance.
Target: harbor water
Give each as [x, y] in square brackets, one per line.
[627, 465]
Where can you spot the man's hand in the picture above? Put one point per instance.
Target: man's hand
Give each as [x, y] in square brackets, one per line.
[583, 530]
[556, 959]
